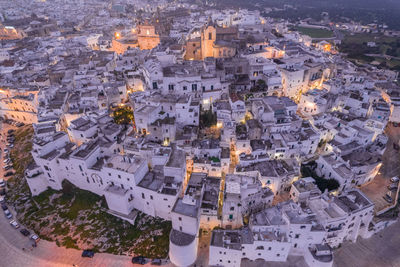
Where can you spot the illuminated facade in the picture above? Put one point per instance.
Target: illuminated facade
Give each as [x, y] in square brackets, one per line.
[10, 33]
[120, 45]
[214, 42]
[148, 38]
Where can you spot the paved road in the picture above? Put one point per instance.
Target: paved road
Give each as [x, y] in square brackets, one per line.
[390, 167]
[382, 249]
[46, 254]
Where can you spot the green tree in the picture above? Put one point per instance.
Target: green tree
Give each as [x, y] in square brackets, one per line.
[259, 86]
[308, 170]
[123, 115]
[208, 118]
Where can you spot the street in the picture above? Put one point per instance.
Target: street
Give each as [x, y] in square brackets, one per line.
[376, 189]
[46, 253]
[382, 249]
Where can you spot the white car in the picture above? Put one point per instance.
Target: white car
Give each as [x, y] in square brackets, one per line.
[2, 199]
[394, 179]
[6, 161]
[2, 183]
[14, 224]
[8, 214]
[35, 238]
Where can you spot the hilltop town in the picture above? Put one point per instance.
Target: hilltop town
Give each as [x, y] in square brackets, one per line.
[228, 124]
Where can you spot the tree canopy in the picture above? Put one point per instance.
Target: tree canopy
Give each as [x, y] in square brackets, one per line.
[123, 115]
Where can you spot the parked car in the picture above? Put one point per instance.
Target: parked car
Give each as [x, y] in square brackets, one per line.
[19, 124]
[10, 131]
[6, 161]
[2, 200]
[24, 232]
[35, 238]
[139, 260]
[7, 167]
[88, 254]
[10, 145]
[8, 214]
[4, 206]
[394, 179]
[392, 187]
[2, 191]
[388, 197]
[5, 150]
[8, 174]
[2, 183]
[14, 224]
[156, 262]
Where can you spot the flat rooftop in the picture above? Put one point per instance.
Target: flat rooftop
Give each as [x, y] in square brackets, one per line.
[270, 235]
[226, 239]
[86, 149]
[116, 190]
[128, 164]
[177, 158]
[181, 239]
[305, 184]
[186, 209]
[267, 217]
[156, 181]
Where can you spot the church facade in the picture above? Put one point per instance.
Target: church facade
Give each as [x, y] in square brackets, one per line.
[215, 41]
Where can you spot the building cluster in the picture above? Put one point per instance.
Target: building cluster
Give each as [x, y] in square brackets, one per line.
[309, 224]
[227, 106]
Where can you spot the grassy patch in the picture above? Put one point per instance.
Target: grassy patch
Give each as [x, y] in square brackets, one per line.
[356, 47]
[68, 242]
[60, 230]
[20, 154]
[75, 219]
[314, 32]
[361, 38]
